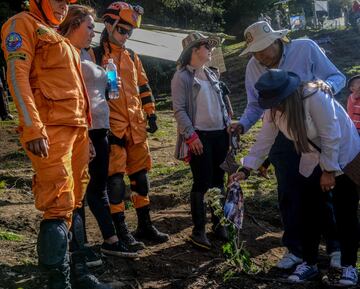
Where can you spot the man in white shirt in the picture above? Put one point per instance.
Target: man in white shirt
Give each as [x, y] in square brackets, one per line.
[272, 49]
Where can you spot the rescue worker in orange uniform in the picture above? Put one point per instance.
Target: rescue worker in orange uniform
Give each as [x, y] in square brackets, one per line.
[129, 151]
[44, 77]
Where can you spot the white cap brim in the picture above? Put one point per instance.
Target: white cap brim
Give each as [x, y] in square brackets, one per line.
[265, 42]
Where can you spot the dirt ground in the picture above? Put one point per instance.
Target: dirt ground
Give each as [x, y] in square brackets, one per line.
[175, 264]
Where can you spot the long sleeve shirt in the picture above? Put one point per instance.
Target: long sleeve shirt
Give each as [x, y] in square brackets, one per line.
[303, 57]
[328, 126]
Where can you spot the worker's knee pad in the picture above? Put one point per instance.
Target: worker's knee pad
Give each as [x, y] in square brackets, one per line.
[52, 244]
[77, 232]
[139, 183]
[116, 189]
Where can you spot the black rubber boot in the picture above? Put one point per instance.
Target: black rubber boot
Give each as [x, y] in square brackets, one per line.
[124, 234]
[52, 248]
[80, 275]
[146, 230]
[198, 213]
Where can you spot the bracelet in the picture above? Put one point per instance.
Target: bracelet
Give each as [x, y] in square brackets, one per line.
[245, 171]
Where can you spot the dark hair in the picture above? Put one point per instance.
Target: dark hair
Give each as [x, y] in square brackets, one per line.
[186, 57]
[357, 76]
[104, 40]
[74, 18]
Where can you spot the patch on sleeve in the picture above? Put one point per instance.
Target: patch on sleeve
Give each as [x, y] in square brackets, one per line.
[13, 41]
[16, 55]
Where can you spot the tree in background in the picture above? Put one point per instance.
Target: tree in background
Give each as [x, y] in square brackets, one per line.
[187, 14]
[241, 13]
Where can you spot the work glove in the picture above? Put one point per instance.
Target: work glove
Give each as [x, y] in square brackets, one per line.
[152, 123]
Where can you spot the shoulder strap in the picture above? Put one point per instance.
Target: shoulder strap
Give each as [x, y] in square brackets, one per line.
[314, 145]
[132, 54]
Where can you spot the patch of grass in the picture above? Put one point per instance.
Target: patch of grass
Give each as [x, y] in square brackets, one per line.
[9, 236]
[167, 127]
[159, 169]
[233, 48]
[27, 262]
[164, 103]
[353, 70]
[8, 123]
[2, 185]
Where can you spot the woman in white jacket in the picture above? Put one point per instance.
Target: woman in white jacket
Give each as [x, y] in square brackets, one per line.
[327, 140]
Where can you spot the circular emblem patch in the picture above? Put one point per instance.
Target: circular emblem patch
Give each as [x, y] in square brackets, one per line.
[13, 41]
[248, 37]
[266, 29]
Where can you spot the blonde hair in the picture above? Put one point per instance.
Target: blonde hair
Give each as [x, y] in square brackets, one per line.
[74, 18]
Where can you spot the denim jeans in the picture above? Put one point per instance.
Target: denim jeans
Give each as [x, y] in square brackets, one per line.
[286, 161]
[345, 201]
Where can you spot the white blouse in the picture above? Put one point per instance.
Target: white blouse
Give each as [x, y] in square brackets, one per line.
[327, 125]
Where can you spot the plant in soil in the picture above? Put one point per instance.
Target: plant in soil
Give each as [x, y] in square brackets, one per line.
[238, 259]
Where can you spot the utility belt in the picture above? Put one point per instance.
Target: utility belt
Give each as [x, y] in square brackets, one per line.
[114, 140]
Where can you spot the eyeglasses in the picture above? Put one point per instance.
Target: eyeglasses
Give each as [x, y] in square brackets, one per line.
[123, 31]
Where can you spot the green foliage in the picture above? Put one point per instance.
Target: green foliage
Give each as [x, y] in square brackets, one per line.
[159, 72]
[9, 236]
[2, 185]
[190, 14]
[238, 258]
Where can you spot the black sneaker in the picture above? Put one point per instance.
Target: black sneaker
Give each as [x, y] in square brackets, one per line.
[91, 258]
[81, 278]
[118, 249]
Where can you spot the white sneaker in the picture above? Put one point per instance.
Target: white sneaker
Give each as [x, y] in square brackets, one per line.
[335, 260]
[349, 276]
[288, 261]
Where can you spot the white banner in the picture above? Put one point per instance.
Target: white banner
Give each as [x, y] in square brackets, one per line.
[321, 6]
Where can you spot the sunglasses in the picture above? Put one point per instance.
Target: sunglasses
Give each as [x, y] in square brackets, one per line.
[123, 31]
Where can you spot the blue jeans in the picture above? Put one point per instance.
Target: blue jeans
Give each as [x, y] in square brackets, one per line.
[286, 161]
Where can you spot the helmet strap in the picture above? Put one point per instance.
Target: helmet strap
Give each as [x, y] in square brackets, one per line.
[111, 35]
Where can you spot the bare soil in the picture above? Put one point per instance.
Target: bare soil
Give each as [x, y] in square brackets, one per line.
[175, 264]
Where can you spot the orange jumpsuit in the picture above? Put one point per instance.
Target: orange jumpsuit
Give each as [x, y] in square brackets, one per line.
[127, 119]
[44, 76]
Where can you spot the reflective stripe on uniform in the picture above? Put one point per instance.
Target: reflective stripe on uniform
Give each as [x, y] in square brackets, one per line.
[144, 88]
[147, 99]
[27, 119]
